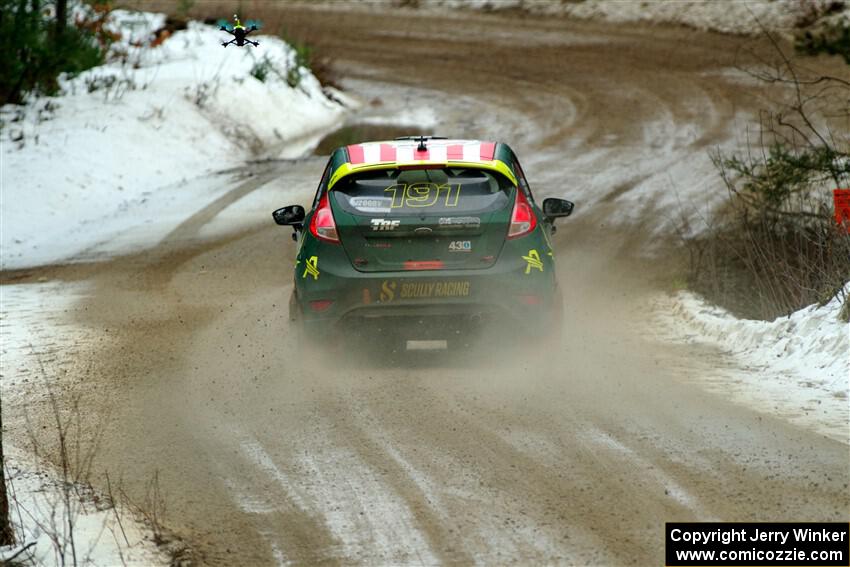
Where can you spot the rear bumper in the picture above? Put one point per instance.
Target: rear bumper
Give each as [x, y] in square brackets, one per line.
[429, 304]
[459, 325]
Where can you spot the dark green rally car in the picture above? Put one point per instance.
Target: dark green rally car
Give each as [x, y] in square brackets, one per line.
[424, 240]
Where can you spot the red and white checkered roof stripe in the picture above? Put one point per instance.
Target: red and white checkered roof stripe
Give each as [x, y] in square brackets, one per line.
[405, 151]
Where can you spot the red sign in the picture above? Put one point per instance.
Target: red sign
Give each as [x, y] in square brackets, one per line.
[842, 207]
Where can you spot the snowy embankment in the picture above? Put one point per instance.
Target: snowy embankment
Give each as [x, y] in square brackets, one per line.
[82, 168]
[744, 17]
[67, 524]
[796, 366]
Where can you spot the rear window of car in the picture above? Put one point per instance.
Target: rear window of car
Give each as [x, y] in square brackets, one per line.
[423, 191]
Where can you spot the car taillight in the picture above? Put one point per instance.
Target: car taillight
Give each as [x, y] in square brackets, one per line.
[320, 305]
[322, 225]
[424, 265]
[523, 220]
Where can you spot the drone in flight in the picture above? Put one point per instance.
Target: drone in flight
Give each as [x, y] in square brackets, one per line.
[240, 34]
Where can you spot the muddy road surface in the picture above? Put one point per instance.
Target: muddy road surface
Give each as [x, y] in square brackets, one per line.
[575, 454]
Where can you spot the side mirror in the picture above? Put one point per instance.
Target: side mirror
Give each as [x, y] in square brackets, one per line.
[293, 215]
[554, 208]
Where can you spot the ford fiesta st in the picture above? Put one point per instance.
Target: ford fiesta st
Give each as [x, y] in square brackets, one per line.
[421, 240]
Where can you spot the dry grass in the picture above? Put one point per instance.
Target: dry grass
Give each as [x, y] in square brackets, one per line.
[760, 271]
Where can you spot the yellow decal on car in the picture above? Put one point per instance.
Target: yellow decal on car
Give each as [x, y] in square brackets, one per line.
[311, 267]
[419, 195]
[434, 289]
[387, 291]
[533, 261]
[423, 290]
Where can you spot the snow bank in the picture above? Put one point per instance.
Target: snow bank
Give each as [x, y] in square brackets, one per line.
[798, 365]
[139, 128]
[101, 534]
[736, 16]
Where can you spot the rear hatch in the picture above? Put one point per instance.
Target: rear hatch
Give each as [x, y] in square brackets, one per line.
[421, 219]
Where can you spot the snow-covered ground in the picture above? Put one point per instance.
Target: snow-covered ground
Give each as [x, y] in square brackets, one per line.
[127, 139]
[79, 531]
[744, 17]
[796, 366]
